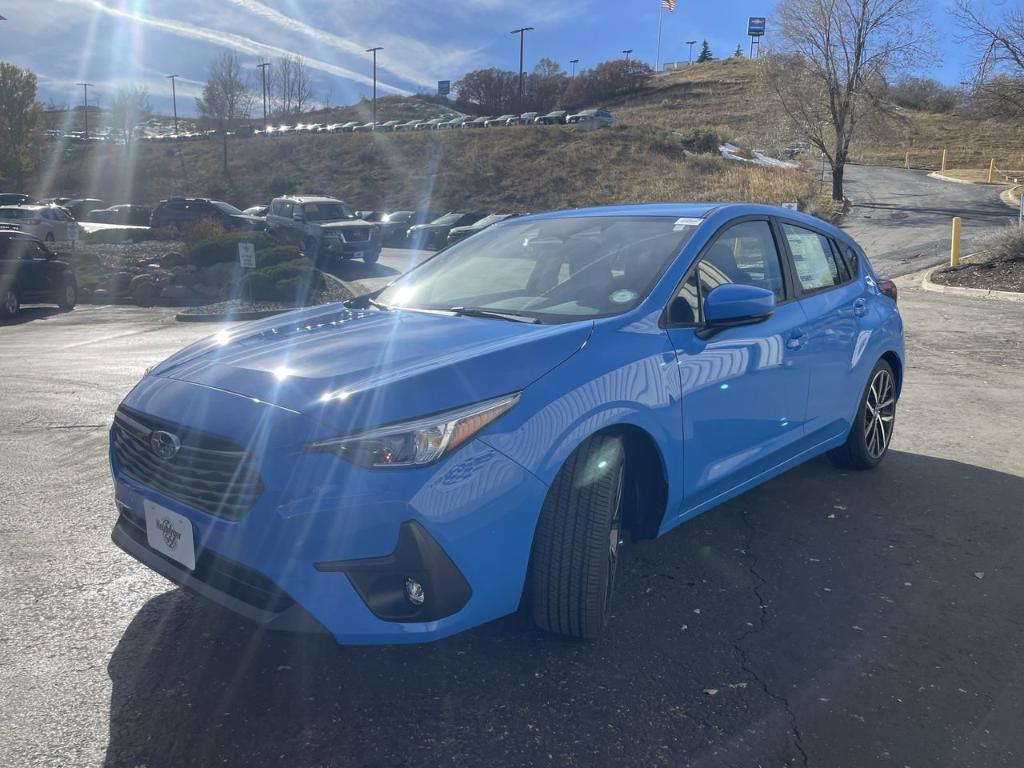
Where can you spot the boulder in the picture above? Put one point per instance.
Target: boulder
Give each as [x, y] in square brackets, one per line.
[143, 290]
[173, 259]
[122, 282]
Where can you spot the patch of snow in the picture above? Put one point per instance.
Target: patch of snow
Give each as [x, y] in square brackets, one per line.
[730, 152]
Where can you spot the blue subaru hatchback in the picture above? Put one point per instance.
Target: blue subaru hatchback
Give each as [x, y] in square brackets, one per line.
[490, 428]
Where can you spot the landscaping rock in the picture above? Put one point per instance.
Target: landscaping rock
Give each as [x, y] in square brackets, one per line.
[144, 290]
[173, 259]
[122, 283]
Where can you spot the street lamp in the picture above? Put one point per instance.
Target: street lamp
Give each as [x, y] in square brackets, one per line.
[263, 74]
[374, 52]
[574, 62]
[85, 89]
[627, 52]
[522, 35]
[691, 43]
[174, 102]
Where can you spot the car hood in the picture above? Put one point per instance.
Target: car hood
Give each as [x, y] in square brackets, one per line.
[249, 218]
[345, 223]
[351, 369]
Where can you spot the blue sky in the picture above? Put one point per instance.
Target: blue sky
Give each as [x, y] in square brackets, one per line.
[113, 43]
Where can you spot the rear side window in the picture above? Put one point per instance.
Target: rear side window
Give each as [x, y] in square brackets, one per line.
[813, 258]
[852, 260]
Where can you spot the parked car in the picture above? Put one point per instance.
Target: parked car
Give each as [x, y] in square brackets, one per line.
[31, 274]
[15, 198]
[47, 222]
[557, 117]
[393, 228]
[434, 234]
[133, 215]
[348, 127]
[494, 122]
[61, 201]
[527, 118]
[366, 127]
[478, 122]
[455, 122]
[461, 233]
[600, 117]
[430, 125]
[79, 207]
[408, 126]
[487, 431]
[181, 212]
[257, 210]
[370, 215]
[390, 125]
[324, 227]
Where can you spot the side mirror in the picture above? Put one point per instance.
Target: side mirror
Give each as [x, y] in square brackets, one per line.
[732, 305]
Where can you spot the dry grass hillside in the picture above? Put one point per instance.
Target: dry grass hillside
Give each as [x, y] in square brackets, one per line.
[528, 168]
[516, 169]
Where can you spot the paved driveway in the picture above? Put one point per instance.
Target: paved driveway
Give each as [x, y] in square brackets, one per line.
[903, 219]
[825, 619]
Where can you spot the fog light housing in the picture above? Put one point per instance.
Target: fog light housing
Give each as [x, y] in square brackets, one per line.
[414, 592]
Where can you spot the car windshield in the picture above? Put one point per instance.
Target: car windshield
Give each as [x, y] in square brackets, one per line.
[333, 211]
[492, 219]
[554, 270]
[229, 209]
[448, 218]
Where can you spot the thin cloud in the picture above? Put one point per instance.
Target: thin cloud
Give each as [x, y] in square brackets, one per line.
[229, 40]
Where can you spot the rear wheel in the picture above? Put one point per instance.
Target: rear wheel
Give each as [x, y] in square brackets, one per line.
[871, 432]
[11, 302]
[371, 257]
[68, 295]
[578, 541]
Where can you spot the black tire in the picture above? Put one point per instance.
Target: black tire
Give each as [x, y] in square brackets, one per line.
[67, 296]
[10, 302]
[871, 432]
[576, 546]
[371, 257]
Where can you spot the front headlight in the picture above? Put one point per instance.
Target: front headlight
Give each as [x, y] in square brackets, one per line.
[414, 443]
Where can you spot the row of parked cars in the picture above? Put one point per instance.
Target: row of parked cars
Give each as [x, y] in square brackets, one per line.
[56, 219]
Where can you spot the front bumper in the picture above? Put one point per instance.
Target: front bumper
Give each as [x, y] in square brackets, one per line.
[341, 249]
[328, 546]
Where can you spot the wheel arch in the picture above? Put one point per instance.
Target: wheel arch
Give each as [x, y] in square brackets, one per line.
[897, 369]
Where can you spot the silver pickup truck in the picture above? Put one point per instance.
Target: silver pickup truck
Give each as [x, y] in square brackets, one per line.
[324, 228]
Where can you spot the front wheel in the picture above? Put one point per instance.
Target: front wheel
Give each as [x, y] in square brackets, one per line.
[871, 432]
[68, 295]
[578, 541]
[371, 257]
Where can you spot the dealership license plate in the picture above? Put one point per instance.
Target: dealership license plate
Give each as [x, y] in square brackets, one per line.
[170, 534]
[357, 255]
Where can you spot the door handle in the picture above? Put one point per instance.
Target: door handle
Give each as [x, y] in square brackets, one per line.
[860, 307]
[796, 339]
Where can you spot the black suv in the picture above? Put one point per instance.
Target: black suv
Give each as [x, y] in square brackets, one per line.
[31, 274]
[182, 212]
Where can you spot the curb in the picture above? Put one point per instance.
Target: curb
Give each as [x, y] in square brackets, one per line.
[1007, 197]
[940, 177]
[182, 317]
[974, 293]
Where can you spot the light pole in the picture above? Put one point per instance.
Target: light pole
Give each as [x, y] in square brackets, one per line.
[627, 52]
[174, 102]
[374, 52]
[691, 43]
[574, 62]
[85, 89]
[263, 74]
[522, 36]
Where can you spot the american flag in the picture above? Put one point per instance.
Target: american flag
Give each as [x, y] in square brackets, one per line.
[668, 5]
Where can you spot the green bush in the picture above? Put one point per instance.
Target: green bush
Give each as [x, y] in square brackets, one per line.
[278, 254]
[290, 282]
[702, 141]
[222, 248]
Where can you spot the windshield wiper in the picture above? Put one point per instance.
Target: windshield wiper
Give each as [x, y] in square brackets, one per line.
[359, 302]
[478, 312]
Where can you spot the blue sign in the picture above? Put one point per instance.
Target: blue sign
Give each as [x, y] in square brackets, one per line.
[444, 87]
[756, 26]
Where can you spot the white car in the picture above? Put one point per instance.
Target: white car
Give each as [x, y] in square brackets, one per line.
[600, 117]
[49, 223]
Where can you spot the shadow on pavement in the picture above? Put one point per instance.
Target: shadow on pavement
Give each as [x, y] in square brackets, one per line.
[29, 314]
[837, 616]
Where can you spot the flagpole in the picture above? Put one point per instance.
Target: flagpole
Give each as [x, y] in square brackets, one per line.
[661, 14]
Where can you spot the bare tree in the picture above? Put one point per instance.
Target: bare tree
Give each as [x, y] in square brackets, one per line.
[291, 87]
[836, 57]
[129, 110]
[20, 121]
[227, 98]
[999, 67]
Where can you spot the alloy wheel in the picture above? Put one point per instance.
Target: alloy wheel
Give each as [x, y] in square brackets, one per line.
[10, 303]
[879, 413]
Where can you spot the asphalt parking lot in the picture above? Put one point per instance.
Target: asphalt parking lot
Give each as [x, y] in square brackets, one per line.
[825, 619]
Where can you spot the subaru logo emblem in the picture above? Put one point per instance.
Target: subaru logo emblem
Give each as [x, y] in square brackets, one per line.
[164, 444]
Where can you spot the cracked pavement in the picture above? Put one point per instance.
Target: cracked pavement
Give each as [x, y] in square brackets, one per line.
[839, 618]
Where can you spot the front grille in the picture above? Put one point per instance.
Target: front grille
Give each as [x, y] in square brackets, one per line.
[235, 579]
[357, 234]
[208, 473]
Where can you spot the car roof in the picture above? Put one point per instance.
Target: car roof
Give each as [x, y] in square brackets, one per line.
[310, 199]
[25, 207]
[693, 210]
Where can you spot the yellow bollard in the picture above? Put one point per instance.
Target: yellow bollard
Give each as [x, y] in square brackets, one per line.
[945, 156]
[954, 250]
[992, 171]
[906, 163]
